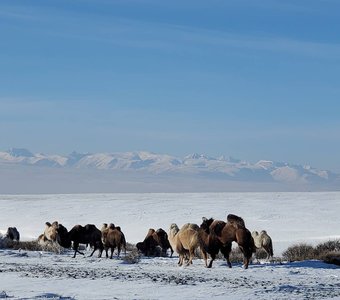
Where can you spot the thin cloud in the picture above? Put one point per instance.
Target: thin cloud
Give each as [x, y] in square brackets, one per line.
[164, 36]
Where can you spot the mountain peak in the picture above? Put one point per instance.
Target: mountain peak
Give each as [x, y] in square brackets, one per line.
[197, 156]
[195, 164]
[20, 152]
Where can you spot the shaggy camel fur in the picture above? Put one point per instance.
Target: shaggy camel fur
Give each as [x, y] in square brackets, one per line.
[263, 241]
[88, 234]
[209, 242]
[13, 234]
[164, 241]
[55, 233]
[50, 232]
[234, 231]
[150, 245]
[112, 237]
[184, 241]
[156, 243]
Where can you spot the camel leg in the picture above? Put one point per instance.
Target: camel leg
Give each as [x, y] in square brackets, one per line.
[268, 251]
[119, 249]
[75, 248]
[205, 257]
[245, 262]
[255, 257]
[226, 249]
[213, 256]
[77, 251]
[100, 253]
[247, 253]
[180, 261]
[191, 256]
[94, 249]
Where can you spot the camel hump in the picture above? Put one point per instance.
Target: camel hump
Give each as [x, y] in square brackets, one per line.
[194, 226]
[236, 220]
[151, 231]
[118, 228]
[173, 230]
[112, 226]
[190, 226]
[174, 227]
[89, 226]
[13, 233]
[161, 232]
[104, 228]
[218, 227]
[48, 224]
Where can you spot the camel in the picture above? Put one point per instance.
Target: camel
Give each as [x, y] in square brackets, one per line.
[155, 243]
[13, 234]
[263, 241]
[209, 242]
[234, 231]
[88, 234]
[112, 237]
[55, 233]
[50, 232]
[184, 241]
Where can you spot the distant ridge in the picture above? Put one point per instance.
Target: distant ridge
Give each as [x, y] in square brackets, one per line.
[192, 166]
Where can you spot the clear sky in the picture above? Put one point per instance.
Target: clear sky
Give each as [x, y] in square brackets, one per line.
[254, 79]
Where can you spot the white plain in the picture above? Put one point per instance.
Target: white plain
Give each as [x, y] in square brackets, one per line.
[289, 218]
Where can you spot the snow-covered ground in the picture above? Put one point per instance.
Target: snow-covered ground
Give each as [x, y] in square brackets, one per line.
[288, 217]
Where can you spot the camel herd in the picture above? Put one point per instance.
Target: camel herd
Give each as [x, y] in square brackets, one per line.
[211, 237]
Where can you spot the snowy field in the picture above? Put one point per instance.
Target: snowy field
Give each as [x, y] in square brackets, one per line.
[289, 218]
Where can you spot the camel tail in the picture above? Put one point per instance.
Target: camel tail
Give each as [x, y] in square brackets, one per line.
[271, 249]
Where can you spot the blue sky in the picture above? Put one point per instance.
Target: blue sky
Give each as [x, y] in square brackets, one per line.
[246, 78]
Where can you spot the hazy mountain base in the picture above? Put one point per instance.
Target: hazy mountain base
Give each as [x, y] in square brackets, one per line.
[18, 179]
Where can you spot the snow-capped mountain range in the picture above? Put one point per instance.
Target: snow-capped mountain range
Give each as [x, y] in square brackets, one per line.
[194, 165]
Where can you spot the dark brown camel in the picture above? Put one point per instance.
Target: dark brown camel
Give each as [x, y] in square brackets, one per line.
[89, 234]
[210, 243]
[164, 241]
[149, 246]
[234, 231]
[155, 243]
[13, 234]
[63, 237]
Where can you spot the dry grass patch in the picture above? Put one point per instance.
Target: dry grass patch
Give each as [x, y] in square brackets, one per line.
[331, 258]
[328, 252]
[299, 252]
[31, 246]
[132, 257]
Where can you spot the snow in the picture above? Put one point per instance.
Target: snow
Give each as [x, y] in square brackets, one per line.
[289, 218]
